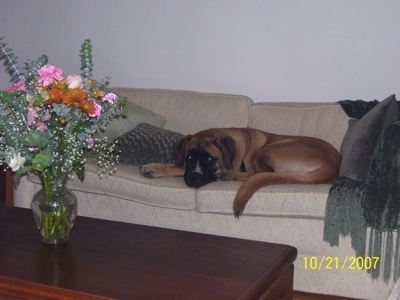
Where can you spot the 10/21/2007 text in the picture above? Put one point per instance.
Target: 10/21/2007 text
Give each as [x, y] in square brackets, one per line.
[335, 263]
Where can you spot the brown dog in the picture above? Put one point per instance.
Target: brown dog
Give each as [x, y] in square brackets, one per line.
[258, 158]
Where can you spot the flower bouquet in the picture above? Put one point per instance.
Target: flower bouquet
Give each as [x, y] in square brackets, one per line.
[48, 122]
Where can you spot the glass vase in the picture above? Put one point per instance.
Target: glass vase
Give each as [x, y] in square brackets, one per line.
[54, 209]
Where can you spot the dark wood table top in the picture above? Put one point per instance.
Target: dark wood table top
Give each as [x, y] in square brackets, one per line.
[119, 260]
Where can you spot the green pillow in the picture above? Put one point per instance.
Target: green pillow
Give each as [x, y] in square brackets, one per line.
[362, 136]
[147, 144]
[135, 115]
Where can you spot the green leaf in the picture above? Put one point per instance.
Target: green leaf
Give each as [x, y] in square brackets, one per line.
[11, 62]
[23, 170]
[19, 173]
[42, 160]
[11, 99]
[80, 170]
[35, 138]
[86, 62]
[86, 125]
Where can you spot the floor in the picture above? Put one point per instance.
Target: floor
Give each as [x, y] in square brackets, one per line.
[307, 296]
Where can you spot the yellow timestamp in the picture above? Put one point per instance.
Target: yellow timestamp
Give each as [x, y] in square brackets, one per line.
[335, 263]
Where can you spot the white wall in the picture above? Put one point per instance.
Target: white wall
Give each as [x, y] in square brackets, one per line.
[270, 50]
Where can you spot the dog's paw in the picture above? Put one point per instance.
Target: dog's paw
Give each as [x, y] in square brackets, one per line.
[148, 171]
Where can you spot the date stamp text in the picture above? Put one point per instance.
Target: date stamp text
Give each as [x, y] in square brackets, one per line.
[334, 263]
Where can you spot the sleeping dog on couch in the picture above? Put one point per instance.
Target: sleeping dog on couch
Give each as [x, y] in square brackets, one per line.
[255, 157]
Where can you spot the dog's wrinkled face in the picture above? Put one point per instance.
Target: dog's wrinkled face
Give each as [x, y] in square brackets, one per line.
[203, 158]
[200, 166]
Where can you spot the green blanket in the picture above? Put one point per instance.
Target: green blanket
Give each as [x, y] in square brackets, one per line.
[353, 207]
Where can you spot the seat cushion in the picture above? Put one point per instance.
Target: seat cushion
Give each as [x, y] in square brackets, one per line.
[284, 200]
[127, 183]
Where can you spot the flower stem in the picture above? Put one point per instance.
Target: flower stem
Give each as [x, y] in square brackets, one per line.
[54, 209]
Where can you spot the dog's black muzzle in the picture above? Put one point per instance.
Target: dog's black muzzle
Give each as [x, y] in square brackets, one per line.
[196, 179]
[200, 168]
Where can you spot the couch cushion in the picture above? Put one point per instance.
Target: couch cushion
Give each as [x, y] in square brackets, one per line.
[362, 137]
[127, 183]
[326, 121]
[289, 200]
[147, 144]
[189, 112]
[135, 115]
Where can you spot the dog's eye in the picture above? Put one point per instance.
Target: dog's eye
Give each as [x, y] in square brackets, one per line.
[210, 159]
[189, 158]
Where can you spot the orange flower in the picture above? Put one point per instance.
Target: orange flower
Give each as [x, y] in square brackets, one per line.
[55, 96]
[88, 107]
[74, 97]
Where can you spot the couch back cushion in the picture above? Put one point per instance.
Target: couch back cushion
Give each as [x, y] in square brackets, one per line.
[326, 121]
[189, 112]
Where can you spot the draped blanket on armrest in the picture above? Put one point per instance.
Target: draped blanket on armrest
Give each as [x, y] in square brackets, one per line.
[369, 212]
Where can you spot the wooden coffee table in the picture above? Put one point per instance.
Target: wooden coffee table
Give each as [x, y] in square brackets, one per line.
[105, 259]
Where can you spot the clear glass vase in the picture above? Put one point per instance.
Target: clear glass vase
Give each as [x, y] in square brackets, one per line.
[54, 209]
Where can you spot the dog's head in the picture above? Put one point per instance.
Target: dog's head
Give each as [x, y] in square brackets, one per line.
[202, 157]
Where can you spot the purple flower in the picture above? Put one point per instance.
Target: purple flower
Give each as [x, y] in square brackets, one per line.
[90, 142]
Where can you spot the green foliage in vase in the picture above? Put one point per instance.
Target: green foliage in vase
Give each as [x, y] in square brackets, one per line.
[48, 120]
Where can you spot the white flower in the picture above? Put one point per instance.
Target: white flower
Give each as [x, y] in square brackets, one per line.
[16, 162]
[74, 81]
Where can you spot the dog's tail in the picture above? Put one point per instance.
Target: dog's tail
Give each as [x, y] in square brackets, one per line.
[259, 180]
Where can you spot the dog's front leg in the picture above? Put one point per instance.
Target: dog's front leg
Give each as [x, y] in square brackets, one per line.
[233, 175]
[155, 170]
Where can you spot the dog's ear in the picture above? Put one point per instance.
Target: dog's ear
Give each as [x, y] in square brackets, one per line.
[179, 151]
[227, 146]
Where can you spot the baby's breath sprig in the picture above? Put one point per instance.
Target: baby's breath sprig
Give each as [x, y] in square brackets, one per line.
[106, 159]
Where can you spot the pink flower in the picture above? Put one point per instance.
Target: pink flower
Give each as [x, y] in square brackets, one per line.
[90, 142]
[33, 118]
[18, 86]
[110, 97]
[46, 116]
[48, 73]
[41, 126]
[32, 115]
[97, 110]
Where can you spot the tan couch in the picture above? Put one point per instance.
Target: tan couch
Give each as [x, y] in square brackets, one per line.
[288, 214]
